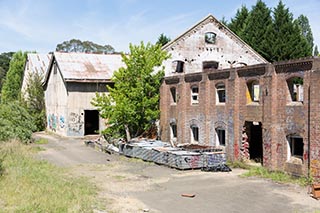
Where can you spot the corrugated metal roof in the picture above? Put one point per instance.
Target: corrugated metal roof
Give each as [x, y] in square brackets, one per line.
[38, 62]
[85, 66]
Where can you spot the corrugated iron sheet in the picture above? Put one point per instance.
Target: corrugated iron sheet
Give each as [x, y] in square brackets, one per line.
[38, 62]
[85, 66]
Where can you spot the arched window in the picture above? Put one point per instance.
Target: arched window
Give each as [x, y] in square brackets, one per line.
[295, 87]
[253, 91]
[220, 93]
[194, 134]
[221, 136]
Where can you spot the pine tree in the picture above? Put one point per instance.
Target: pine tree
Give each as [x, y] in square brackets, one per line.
[133, 104]
[258, 32]
[288, 42]
[306, 32]
[316, 51]
[163, 39]
[238, 22]
[13, 81]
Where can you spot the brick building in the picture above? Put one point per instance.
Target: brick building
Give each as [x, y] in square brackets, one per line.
[235, 99]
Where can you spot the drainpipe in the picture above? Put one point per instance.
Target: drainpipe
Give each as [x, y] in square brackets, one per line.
[309, 164]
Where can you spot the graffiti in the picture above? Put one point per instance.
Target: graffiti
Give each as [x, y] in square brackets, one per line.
[236, 150]
[75, 123]
[267, 147]
[244, 149]
[61, 122]
[216, 159]
[193, 161]
[52, 122]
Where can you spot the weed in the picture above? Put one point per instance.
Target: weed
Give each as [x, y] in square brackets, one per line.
[41, 141]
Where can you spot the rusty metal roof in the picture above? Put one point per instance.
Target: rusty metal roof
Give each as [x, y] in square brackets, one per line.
[87, 66]
[38, 62]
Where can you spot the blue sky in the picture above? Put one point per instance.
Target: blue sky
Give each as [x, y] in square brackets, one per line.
[42, 24]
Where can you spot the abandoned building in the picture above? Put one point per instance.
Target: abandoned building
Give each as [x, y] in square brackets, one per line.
[35, 63]
[70, 84]
[218, 91]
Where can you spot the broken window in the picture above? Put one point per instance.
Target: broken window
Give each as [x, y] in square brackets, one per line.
[221, 93]
[178, 66]
[173, 130]
[194, 95]
[210, 38]
[194, 134]
[295, 146]
[295, 86]
[210, 65]
[254, 91]
[173, 95]
[221, 136]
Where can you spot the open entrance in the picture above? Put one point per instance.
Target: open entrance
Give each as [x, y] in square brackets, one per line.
[254, 133]
[91, 121]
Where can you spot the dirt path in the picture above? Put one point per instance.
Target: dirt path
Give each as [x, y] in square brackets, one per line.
[130, 185]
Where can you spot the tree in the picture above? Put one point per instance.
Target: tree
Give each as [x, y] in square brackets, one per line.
[34, 100]
[316, 51]
[132, 105]
[4, 66]
[238, 22]
[13, 81]
[257, 30]
[224, 21]
[75, 45]
[15, 122]
[306, 32]
[163, 39]
[288, 42]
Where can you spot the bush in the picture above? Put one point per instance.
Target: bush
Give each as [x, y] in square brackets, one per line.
[15, 122]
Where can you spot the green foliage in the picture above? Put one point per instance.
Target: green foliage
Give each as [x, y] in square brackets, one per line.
[30, 185]
[257, 30]
[15, 122]
[316, 51]
[134, 100]
[276, 176]
[238, 164]
[237, 23]
[163, 39]
[76, 45]
[4, 66]
[13, 81]
[306, 32]
[34, 99]
[288, 42]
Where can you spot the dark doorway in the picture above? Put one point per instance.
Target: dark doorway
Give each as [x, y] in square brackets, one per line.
[91, 121]
[254, 132]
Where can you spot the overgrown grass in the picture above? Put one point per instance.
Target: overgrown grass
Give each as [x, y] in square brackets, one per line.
[30, 185]
[276, 176]
[41, 141]
[238, 164]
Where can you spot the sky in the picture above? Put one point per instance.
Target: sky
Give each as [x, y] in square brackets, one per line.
[39, 25]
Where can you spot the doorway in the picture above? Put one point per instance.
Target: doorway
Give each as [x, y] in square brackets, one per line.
[91, 121]
[254, 132]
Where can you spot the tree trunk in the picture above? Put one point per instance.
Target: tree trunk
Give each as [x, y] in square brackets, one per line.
[127, 132]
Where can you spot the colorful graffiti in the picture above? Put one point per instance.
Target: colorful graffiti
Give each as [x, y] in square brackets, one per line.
[52, 122]
[61, 122]
[193, 161]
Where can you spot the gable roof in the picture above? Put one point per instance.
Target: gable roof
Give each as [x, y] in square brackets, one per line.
[38, 62]
[222, 27]
[85, 67]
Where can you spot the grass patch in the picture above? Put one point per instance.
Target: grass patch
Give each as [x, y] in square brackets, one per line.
[30, 185]
[41, 141]
[238, 164]
[276, 176]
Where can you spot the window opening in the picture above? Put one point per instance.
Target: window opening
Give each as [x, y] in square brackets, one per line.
[173, 94]
[195, 134]
[221, 93]
[295, 86]
[194, 95]
[210, 65]
[221, 133]
[178, 66]
[296, 146]
[210, 38]
[254, 91]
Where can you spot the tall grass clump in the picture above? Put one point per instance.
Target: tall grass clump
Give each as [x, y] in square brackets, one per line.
[31, 185]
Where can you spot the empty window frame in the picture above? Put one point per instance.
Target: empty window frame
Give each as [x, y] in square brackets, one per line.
[221, 93]
[254, 91]
[210, 65]
[210, 37]
[194, 95]
[173, 130]
[173, 93]
[296, 145]
[194, 134]
[295, 86]
[178, 66]
[221, 136]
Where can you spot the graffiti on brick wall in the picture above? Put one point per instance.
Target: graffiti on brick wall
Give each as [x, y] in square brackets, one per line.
[75, 123]
[244, 148]
[61, 122]
[52, 122]
[267, 147]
